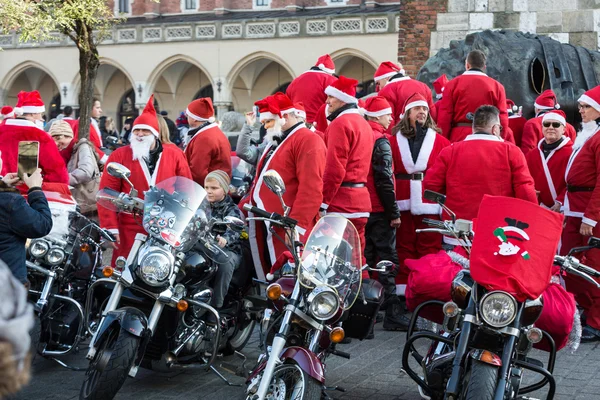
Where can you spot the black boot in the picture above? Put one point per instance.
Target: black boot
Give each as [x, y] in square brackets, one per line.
[395, 317]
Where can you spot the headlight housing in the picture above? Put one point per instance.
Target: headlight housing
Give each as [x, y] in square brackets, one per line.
[498, 309]
[55, 256]
[38, 248]
[155, 267]
[323, 302]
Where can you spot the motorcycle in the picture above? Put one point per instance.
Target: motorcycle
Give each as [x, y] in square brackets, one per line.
[308, 304]
[61, 267]
[481, 351]
[164, 294]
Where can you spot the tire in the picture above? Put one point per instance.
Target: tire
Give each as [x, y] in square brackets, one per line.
[238, 341]
[290, 382]
[35, 335]
[482, 383]
[109, 368]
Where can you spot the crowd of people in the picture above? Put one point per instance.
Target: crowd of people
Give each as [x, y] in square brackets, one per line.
[369, 161]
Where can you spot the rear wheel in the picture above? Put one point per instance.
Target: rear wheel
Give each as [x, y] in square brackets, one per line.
[290, 382]
[482, 383]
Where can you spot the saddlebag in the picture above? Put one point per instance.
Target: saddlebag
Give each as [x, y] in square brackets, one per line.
[361, 316]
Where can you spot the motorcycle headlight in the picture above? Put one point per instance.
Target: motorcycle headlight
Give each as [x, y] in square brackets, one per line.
[323, 302]
[55, 256]
[155, 268]
[38, 248]
[498, 309]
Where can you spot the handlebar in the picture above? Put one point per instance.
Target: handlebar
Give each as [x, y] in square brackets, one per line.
[290, 222]
[572, 265]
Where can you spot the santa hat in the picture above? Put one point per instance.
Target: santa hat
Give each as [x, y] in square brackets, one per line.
[7, 112]
[148, 119]
[343, 89]
[591, 97]
[511, 107]
[201, 110]
[439, 84]
[387, 69]
[283, 258]
[555, 115]
[268, 108]
[546, 101]
[300, 111]
[29, 103]
[361, 107]
[284, 103]
[325, 63]
[377, 106]
[415, 100]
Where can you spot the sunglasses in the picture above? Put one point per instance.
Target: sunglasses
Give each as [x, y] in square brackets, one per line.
[555, 125]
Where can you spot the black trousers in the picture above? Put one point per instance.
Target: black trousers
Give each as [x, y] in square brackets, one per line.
[381, 245]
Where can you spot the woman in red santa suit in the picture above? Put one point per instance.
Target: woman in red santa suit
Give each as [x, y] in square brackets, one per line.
[416, 144]
[150, 162]
[548, 164]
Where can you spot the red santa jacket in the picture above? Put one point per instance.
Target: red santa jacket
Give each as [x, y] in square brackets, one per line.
[349, 152]
[399, 89]
[583, 171]
[300, 160]
[309, 88]
[516, 124]
[462, 96]
[376, 205]
[481, 164]
[533, 133]
[208, 150]
[549, 172]
[409, 193]
[16, 130]
[320, 120]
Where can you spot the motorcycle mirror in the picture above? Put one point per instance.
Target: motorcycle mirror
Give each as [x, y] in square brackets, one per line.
[118, 170]
[385, 266]
[112, 139]
[434, 196]
[594, 242]
[234, 223]
[274, 182]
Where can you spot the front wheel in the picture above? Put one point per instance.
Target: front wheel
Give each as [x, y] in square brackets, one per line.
[482, 383]
[290, 382]
[109, 368]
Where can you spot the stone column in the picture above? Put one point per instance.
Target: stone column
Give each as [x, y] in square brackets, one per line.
[222, 99]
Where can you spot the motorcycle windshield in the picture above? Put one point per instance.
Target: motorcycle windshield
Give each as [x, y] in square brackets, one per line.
[108, 198]
[175, 210]
[63, 209]
[332, 257]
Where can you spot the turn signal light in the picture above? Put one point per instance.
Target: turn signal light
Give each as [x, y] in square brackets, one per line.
[450, 309]
[84, 247]
[182, 305]
[274, 291]
[108, 271]
[534, 335]
[337, 334]
[490, 358]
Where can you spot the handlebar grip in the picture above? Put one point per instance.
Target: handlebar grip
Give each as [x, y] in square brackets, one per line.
[274, 216]
[257, 211]
[588, 270]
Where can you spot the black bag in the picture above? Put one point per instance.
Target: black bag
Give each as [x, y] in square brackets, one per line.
[361, 316]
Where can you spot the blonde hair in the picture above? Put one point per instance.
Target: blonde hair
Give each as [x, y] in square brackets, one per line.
[163, 130]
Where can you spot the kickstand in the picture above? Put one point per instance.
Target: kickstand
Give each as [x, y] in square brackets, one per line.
[213, 369]
[62, 364]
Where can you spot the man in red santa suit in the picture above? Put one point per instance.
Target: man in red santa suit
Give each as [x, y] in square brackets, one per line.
[309, 87]
[548, 164]
[298, 155]
[532, 131]
[481, 164]
[438, 85]
[150, 162]
[582, 208]
[27, 126]
[208, 148]
[416, 144]
[300, 113]
[397, 87]
[463, 94]
[516, 122]
[349, 152]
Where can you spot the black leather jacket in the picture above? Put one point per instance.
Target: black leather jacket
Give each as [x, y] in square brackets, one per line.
[383, 175]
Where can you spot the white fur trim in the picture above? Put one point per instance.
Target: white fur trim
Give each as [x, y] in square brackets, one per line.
[479, 73]
[479, 136]
[21, 122]
[148, 127]
[417, 206]
[415, 104]
[150, 179]
[207, 127]
[388, 75]
[299, 113]
[588, 100]
[545, 164]
[588, 221]
[539, 107]
[567, 209]
[103, 159]
[351, 215]
[438, 96]
[197, 117]
[267, 115]
[32, 109]
[338, 94]
[424, 153]
[18, 111]
[323, 68]
[403, 205]
[379, 113]
[554, 117]
[10, 114]
[350, 111]
[400, 290]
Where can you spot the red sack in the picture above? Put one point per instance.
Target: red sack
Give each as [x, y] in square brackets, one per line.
[430, 278]
[557, 316]
[514, 246]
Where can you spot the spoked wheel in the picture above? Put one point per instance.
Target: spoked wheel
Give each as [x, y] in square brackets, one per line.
[290, 382]
[109, 368]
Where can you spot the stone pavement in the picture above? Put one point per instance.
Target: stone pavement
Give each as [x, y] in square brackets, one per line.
[372, 371]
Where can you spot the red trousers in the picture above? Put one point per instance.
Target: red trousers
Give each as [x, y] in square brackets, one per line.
[586, 295]
[360, 224]
[412, 245]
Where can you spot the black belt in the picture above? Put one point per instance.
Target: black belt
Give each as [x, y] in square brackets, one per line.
[418, 176]
[464, 124]
[573, 189]
[353, 185]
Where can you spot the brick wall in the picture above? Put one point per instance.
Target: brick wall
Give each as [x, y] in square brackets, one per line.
[417, 21]
[170, 6]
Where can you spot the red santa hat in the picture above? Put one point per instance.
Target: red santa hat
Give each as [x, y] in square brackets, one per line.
[325, 63]
[300, 111]
[148, 119]
[7, 112]
[201, 110]
[377, 106]
[284, 103]
[343, 89]
[511, 107]
[361, 107]
[29, 103]
[387, 69]
[592, 98]
[555, 115]
[268, 108]
[546, 101]
[439, 84]
[415, 100]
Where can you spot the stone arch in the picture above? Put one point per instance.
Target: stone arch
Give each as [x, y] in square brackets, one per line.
[358, 65]
[104, 62]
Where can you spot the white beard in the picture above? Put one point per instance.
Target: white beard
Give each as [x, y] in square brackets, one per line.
[141, 147]
[275, 130]
[587, 131]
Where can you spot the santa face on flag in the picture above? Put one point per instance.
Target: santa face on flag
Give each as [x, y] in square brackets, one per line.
[511, 239]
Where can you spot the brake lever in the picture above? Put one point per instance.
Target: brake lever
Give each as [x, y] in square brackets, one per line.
[583, 275]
